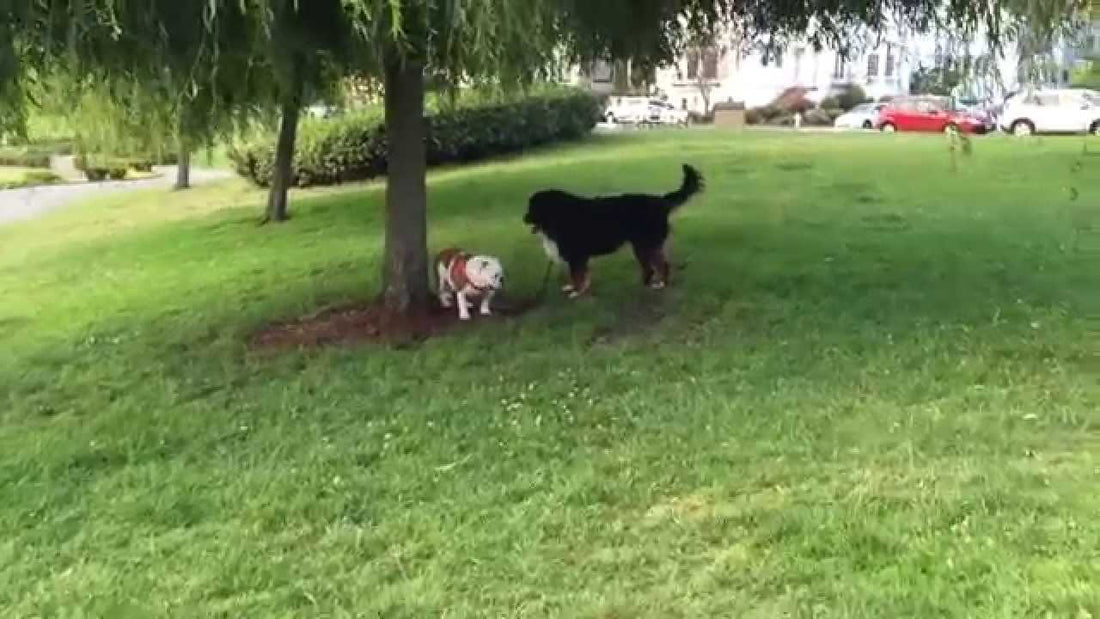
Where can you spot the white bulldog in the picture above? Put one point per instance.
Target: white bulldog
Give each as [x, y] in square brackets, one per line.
[467, 277]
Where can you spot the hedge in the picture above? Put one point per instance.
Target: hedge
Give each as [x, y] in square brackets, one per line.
[354, 147]
[32, 178]
[35, 155]
[24, 157]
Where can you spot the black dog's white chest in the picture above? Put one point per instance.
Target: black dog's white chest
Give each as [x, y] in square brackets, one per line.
[551, 248]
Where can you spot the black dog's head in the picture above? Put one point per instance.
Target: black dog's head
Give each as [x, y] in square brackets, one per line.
[538, 212]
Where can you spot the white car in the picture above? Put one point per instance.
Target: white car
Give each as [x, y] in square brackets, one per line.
[670, 114]
[632, 110]
[862, 116]
[1052, 111]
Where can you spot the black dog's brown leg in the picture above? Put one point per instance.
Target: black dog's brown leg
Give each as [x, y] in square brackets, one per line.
[581, 280]
[646, 264]
[661, 266]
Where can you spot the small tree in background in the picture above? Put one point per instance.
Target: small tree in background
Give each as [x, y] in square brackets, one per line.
[850, 96]
[939, 80]
[1088, 75]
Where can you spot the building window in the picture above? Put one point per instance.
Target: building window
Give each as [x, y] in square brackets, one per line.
[601, 72]
[872, 66]
[693, 64]
[890, 61]
[683, 104]
[840, 68]
[710, 63]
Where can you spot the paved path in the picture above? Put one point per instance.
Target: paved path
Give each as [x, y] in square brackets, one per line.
[31, 202]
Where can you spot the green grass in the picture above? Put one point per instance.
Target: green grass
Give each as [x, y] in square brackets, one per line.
[871, 392]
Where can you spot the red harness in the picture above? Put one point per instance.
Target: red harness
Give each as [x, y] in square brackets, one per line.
[456, 260]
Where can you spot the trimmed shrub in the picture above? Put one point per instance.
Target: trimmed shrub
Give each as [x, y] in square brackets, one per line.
[820, 117]
[40, 177]
[95, 174]
[695, 118]
[24, 157]
[783, 119]
[140, 163]
[851, 96]
[116, 174]
[32, 178]
[354, 147]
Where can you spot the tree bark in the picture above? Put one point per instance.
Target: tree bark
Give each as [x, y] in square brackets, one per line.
[284, 160]
[405, 266]
[183, 168]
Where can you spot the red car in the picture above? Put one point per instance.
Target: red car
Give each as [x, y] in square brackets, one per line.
[932, 114]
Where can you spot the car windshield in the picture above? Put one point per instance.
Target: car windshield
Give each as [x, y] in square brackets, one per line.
[863, 107]
[1092, 97]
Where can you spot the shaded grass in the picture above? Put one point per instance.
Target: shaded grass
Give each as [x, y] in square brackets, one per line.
[872, 392]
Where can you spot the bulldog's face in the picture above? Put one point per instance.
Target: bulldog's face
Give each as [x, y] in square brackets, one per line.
[485, 272]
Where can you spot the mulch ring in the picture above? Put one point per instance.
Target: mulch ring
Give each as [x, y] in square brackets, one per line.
[371, 322]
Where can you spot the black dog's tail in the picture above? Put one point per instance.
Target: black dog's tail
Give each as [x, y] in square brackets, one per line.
[693, 184]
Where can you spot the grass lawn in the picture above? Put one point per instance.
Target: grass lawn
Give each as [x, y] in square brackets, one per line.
[872, 391]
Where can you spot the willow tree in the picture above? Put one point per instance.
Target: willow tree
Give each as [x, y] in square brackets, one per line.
[398, 42]
[514, 41]
[171, 73]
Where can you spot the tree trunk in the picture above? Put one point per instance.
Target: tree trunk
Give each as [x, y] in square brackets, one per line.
[405, 266]
[183, 168]
[284, 160]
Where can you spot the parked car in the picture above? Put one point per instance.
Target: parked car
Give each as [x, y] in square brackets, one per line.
[1052, 111]
[670, 114]
[862, 116]
[632, 110]
[932, 114]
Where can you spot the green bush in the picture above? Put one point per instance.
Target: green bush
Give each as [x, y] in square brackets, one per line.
[24, 157]
[35, 154]
[354, 147]
[31, 179]
[139, 163]
[96, 174]
[819, 117]
[40, 177]
[851, 96]
[783, 119]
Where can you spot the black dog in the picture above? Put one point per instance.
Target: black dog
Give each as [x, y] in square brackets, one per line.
[574, 228]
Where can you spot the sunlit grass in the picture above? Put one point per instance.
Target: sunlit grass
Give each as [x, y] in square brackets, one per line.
[871, 392]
